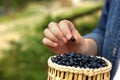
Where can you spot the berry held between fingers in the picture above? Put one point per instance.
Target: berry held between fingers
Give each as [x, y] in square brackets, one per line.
[79, 60]
[73, 39]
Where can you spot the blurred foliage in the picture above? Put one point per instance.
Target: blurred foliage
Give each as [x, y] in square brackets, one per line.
[86, 24]
[47, 19]
[77, 12]
[10, 6]
[27, 58]
[1, 2]
[28, 11]
[16, 3]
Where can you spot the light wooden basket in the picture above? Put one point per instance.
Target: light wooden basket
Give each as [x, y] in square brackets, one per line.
[58, 72]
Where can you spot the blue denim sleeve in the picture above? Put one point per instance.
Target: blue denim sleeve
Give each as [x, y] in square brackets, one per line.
[99, 33]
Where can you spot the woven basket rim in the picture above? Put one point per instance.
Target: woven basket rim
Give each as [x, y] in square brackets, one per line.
[78, 70]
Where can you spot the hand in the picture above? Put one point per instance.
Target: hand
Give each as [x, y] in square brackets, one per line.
[58, 35]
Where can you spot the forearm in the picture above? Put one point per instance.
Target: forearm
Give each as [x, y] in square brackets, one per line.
[90, 47]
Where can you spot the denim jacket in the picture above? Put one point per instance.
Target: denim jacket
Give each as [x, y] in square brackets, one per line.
[107, 33]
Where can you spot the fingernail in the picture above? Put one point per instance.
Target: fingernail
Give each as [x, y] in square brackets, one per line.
[64, 39]
[54, 44]
[68, 36]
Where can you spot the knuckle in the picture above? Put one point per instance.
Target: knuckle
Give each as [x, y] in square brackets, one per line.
[68, 21]
[51, 24]
[63, 22]
[45, 31]
[57, 34]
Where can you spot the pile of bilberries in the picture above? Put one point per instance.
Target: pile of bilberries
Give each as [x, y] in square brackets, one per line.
[79, 60]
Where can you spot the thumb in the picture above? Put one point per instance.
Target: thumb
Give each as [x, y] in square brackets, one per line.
[78, 38]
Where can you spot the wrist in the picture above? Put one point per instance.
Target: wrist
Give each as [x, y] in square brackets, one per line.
[84, 46]
[89, 47]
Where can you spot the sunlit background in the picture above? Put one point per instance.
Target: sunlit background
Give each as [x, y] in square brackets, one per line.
[22, 53]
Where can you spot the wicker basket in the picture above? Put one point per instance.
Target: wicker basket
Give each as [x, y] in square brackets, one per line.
[58, 72]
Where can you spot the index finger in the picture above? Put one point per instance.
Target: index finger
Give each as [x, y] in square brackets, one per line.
[66, 28]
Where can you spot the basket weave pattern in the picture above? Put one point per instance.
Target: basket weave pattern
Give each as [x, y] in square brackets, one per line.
[58, 72]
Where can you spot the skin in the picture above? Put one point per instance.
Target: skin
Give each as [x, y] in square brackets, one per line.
[58, 35]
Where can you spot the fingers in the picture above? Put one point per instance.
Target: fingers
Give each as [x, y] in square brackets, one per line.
[50, 35]
[74, 32]
[49, 43]
[54, 29]
[70, 24]
[65, 29]
[60, 33]
[77, 36]
[54, 33]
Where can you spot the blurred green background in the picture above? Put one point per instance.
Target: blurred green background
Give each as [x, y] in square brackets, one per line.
[22, 53]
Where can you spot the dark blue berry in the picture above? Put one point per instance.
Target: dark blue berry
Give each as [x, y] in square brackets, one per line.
[79, 60]
[73, 39]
